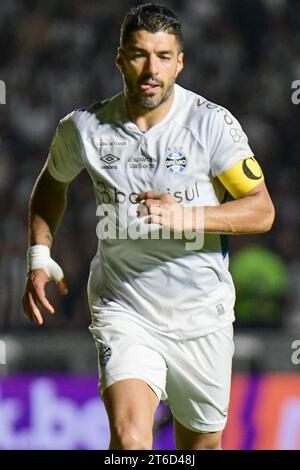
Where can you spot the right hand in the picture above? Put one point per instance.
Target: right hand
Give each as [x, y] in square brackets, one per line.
[35, 294]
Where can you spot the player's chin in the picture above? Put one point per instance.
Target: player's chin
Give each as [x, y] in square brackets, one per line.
[151, 102]
[148, 104]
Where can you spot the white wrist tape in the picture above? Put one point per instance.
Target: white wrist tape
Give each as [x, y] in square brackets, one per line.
[38, 256]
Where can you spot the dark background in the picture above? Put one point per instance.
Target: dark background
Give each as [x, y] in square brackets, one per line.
[56, 56]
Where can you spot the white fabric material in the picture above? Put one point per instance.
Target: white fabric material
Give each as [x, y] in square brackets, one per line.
[38, 256]
[181, 293]
[191, 376]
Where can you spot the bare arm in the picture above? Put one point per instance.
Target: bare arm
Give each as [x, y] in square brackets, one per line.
[46, 208]
[252, 213]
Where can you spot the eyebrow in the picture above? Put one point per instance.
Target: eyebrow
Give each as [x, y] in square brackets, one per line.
[140, 49]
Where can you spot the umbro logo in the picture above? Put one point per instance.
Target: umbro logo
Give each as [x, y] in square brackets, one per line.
[109, 159]
[109, 162]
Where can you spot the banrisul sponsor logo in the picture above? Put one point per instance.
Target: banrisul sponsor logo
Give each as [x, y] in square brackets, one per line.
[176, 160]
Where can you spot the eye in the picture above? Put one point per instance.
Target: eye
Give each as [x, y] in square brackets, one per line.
[140, 55]
[165, 57]
[136, 56]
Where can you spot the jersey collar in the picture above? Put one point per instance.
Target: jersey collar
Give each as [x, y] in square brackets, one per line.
[133, 128]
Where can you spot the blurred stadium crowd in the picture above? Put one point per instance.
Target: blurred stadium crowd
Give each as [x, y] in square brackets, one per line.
[59, 55]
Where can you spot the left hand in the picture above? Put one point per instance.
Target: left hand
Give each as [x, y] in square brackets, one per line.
[163, 209]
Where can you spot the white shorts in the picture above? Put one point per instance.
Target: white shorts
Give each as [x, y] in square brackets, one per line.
[191, 376]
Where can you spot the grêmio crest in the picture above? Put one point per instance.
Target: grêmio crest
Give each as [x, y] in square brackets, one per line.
[176, 160]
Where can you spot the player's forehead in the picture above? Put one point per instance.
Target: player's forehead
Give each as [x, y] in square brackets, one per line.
[160, 41]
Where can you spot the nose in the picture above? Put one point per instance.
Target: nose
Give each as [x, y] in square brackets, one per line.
[152, 64]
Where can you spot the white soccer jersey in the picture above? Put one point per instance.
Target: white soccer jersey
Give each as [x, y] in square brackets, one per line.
[182, 293]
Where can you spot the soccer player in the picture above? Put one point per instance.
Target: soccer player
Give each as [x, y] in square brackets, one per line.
[162, 314]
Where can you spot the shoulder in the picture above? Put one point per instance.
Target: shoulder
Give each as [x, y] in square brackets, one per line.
[201, 114]
[210, 121]
[103, 111]
[92, 115]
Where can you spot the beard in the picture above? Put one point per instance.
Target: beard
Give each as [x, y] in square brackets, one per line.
[136, 96]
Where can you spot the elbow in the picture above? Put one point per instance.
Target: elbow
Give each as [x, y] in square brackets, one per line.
[267, 219]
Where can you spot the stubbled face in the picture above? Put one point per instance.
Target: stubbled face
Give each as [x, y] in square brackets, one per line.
[150, 64]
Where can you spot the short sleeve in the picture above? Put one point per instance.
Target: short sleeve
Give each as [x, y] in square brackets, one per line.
[227, 142]
[65, 160]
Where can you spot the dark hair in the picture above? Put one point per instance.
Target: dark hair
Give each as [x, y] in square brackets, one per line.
[153, 18]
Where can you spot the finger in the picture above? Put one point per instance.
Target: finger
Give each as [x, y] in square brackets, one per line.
[38, 273]
[62, 286]
[151, 202]
[36, 314]
[149, 195]
[26, 309]
[142, 210]
[140, 197]
[168, 207]
[41, 296]
[153, 219]
[155, 210]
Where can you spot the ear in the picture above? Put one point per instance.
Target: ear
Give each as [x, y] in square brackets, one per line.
[179, 65]
[120, 59]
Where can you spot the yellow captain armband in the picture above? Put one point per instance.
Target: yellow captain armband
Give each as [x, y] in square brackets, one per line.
[242, 177]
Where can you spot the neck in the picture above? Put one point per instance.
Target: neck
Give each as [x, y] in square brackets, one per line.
[146, 118]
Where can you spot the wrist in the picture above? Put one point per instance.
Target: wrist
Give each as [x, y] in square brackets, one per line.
[37, 257]
[197, 218]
